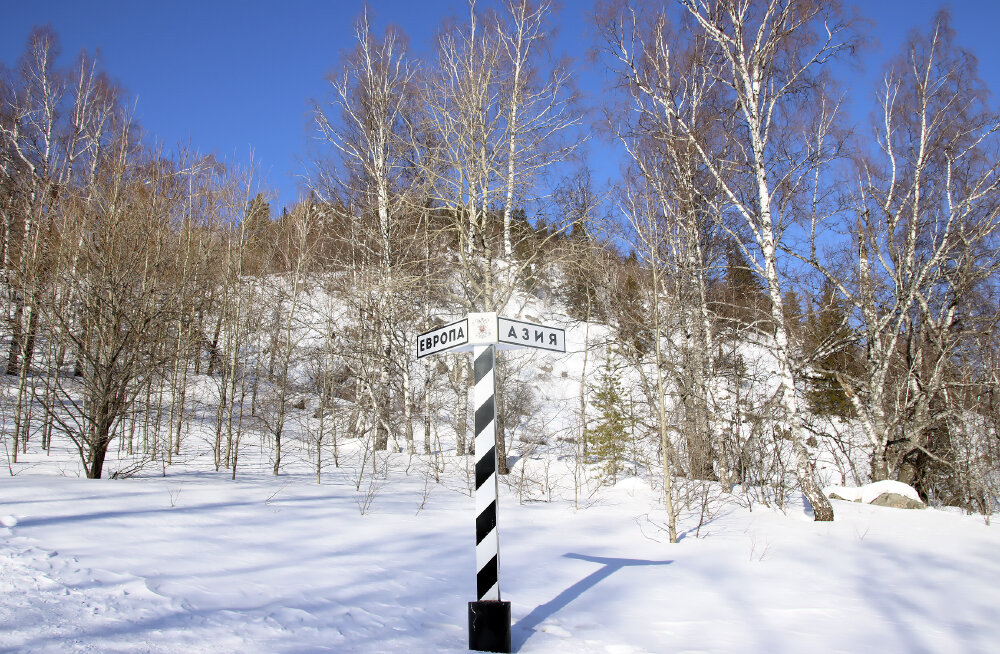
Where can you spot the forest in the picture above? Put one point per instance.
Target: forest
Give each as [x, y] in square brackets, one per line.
[769, 298]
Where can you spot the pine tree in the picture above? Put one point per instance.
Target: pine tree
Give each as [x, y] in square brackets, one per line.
[828, 337]
[793, 312]
[608, 441]
[631, 313]
[259, 230]
[743, 302]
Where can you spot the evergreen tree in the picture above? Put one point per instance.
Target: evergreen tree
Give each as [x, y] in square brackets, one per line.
[632, 316]
[828, 338]
[259, 231]
[743, 300]
[793, 313]
[608, 441]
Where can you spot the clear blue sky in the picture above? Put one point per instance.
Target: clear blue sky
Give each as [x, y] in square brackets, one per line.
[228, 76]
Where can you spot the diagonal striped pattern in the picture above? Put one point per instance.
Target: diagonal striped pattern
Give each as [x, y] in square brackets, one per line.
[487, 539]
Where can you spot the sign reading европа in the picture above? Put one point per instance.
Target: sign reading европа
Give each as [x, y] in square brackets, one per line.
[443, 338]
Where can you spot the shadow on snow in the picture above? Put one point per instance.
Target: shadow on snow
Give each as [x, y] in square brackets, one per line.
[525, 627]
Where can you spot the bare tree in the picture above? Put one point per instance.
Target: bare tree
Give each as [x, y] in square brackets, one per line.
[539, 109]
[372, 95]
[925, 246]
[244, 250]
[639, 205]
[588, 269]
[760, 62]
[299, 231]
[121, 290]
[203, 186]
[686, 199]
[54, 124]
[494, 118]
[465, 156]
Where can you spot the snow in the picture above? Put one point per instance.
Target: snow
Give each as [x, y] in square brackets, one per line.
[196, 562]
[870, 492]
[184, 559]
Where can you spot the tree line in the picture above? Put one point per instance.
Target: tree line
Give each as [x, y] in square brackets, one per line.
[779, 292]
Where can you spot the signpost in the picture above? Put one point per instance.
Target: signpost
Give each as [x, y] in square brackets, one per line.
[483, 333]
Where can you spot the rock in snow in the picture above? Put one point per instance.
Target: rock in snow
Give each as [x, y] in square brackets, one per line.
[889, 493]
[897, 501]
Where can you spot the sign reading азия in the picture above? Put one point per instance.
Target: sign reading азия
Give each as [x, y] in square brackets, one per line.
[443, 338]
[529, 334]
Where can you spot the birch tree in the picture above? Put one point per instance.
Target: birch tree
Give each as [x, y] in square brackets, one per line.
[464, 160]
[298, 230]
[494, 113]
[371, 94]
[244, 263]
[638, 204]
[925, 246]
[203, 184]
[498, 118]
[539, 106]
[686, 198]
[762, 61]
[54, 123]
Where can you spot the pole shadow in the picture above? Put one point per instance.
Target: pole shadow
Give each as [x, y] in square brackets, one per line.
[525, 627]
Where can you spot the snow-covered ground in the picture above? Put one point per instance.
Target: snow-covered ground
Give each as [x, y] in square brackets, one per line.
[195, 562]
[181, 558]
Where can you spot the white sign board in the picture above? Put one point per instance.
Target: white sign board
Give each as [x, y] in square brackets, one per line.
[528, 334]
[482, 328]
[443, 338]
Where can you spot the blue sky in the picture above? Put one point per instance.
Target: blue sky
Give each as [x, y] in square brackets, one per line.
[230, 76]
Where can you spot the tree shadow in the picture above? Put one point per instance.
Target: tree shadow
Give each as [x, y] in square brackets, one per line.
[525, 627]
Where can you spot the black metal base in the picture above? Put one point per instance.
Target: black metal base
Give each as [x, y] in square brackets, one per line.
[489, 626]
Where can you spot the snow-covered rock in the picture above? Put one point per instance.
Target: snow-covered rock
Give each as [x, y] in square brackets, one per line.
[889, 493]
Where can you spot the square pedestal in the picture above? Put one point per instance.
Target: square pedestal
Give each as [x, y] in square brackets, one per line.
[489, 626]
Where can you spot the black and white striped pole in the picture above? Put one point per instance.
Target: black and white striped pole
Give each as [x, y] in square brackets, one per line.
[489, 617]
[483, 333]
